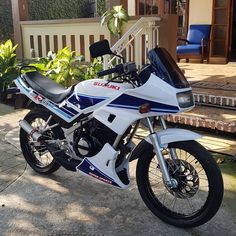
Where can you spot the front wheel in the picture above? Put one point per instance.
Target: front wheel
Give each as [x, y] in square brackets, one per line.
[200, 186]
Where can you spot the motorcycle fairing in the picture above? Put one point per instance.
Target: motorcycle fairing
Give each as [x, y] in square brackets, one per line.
[84, 101]
[69, 109]
[102, 167]
[125, 107]
[62, 110]
[131, 102]
[120, 100]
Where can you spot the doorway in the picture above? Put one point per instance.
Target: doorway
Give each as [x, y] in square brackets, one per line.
[233, 39]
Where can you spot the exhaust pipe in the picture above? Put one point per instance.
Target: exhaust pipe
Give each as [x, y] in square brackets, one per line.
[58, 155]
[30, 130]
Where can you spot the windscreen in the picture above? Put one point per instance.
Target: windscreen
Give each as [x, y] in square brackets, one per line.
[166, 68]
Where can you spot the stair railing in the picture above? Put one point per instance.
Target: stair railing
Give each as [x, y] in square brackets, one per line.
[136, 42]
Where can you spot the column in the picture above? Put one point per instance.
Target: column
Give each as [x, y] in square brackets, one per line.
[19, 13]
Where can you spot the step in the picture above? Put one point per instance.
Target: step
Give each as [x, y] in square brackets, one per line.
[212, 97]
[207, 117]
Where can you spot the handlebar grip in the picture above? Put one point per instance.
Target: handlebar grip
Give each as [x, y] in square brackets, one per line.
[107, 72]
[117, 69]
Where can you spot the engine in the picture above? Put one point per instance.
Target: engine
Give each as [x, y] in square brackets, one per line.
[90, 138]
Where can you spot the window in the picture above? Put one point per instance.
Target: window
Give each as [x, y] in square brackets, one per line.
[157, 7]
[182, 7]
[146, 7]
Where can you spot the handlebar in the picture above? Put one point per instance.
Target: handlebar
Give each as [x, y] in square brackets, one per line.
[120, 69]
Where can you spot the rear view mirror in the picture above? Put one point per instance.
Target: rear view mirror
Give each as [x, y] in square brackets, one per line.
[100, 48]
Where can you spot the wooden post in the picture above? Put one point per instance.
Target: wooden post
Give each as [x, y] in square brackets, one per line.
[161, 8]
[19, 13]
[168, 32]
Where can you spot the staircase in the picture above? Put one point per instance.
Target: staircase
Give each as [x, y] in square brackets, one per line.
[214, 86]
[141, 37]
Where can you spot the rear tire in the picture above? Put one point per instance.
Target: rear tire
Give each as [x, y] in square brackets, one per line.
[43, 164]
[188, 178]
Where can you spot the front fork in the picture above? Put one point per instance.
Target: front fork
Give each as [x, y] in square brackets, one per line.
[170, 182]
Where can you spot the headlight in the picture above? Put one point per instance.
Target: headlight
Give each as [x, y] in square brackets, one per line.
[185, 99]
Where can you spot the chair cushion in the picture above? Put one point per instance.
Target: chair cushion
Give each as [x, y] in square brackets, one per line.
[189, 49]
[197, 32]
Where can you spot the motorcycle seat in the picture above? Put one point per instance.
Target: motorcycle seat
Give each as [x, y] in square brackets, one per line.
[47, 87]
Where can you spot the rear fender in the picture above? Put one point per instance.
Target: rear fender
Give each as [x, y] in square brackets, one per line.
[164, 138]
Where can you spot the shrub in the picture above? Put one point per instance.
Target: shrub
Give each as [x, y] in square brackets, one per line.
[64, 67]
[101, 7]
[58, 9]
[6, 25]
[8, 68]
[94, 68]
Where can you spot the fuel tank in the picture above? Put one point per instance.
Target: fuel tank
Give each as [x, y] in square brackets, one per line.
[101, 87]
[91, 92]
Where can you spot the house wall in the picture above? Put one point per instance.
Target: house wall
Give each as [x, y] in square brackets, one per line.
[131, 7]
[200, 11]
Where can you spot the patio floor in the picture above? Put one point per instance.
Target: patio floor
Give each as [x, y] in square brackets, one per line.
[211, 78]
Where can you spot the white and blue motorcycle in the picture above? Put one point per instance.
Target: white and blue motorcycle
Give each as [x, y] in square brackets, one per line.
[90, 127]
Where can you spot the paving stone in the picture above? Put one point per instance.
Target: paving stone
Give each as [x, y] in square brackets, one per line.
[12, 164]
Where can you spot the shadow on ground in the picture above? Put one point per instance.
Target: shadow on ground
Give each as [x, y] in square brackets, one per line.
[67, 203]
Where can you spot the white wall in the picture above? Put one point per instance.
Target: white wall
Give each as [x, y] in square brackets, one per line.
[131, 7]
[68, 28]
[200, 11]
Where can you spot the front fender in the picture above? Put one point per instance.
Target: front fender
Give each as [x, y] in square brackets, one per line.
[174, 135]
[164, 138]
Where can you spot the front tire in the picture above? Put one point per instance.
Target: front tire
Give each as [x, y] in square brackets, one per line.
[39, 158]
[200, 186]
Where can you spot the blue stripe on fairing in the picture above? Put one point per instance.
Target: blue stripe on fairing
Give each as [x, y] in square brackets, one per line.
[63, 109]
[131, 102]
[70, 110]
[18, 80]
[89, 96]
[58, 110]
[85, 167]
[86, 101]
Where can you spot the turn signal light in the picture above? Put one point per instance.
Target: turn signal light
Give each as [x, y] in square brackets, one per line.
[145, 108]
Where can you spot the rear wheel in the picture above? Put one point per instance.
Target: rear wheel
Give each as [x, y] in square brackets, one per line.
[200, 186]
[37, 156]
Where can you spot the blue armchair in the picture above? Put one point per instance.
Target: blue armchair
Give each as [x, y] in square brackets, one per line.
[196, 45]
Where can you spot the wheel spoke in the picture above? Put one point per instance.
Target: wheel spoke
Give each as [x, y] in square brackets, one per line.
[188, 172]
[42, 157]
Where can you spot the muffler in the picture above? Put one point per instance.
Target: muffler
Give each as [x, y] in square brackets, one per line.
[30, 130]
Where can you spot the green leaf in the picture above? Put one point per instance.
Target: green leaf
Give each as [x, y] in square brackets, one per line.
[115, 19]
[8, 68]
[111, 26]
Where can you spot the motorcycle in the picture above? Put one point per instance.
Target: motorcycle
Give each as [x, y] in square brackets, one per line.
[89, 128]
